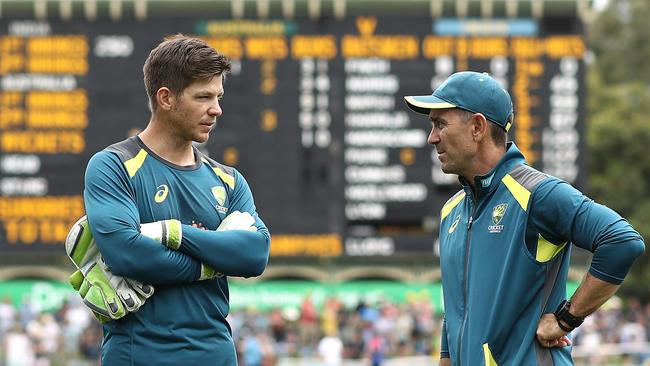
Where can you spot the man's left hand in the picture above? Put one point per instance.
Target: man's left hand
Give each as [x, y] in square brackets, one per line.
[549, 334]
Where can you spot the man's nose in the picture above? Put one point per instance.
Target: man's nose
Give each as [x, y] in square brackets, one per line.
[434, 137]
[215, 110]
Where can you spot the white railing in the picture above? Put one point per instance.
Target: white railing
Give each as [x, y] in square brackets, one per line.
[611, 349]
[399, 361]
[602, 355]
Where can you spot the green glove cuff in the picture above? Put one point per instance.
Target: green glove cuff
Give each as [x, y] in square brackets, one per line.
[208, 273]
[79, 244]
[168, 232]
[174, 234]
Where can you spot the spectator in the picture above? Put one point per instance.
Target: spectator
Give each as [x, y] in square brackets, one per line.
[90, 343]
[18, 347]
[266, 338]
[330, 349]
[7, 315]
[633, 337]
[308, 325]
[45, 333]
[252, 350]
[377, 349]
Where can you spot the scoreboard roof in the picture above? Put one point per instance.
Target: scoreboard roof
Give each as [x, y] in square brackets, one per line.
[143, 9]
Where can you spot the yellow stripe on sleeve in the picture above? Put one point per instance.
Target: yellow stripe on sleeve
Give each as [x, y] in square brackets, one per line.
[228, 179]
[446, 209]
[521, 194]
[547, 250]
[134, 164]
[489, 360]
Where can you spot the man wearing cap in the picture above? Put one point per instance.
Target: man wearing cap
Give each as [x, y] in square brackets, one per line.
[505, 238]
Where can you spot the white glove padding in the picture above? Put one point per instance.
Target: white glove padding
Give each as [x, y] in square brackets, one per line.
[133, 293]
[235, 221]
[168, 232]
[238, 221]
[96, 284]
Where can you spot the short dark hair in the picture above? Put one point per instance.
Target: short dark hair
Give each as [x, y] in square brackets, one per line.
[497, 132]
[177, 62]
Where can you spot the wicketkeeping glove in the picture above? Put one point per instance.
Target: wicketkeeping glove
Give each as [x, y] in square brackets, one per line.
[238, 221]
[109, 296]
[235, 221]
[168, 232]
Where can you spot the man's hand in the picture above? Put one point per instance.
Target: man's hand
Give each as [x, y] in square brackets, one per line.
[445, 362]
[109, 296]
[549, 334]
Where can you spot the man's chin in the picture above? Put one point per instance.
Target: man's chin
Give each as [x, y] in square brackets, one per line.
[446, 169]
[201, 138]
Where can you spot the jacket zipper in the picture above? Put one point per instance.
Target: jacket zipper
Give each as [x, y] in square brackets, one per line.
[466, 284]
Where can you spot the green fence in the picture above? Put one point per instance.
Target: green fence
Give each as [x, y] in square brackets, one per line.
[49, 295]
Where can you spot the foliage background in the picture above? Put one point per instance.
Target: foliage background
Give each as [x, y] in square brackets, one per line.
[618, 129]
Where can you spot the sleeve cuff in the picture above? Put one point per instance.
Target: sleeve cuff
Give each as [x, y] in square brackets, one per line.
[605, 277]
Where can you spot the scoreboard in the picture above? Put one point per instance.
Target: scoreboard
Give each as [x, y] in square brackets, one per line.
[313, 117]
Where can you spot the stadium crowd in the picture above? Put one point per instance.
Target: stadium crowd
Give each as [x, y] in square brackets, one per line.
[375, 332]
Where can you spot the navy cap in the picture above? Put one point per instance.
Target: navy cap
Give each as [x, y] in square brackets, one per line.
[473, 91]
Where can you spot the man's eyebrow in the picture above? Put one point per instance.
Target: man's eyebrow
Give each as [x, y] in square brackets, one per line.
[210, 92]
[204, 92]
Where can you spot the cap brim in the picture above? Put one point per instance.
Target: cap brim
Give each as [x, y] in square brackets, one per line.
[425, 103]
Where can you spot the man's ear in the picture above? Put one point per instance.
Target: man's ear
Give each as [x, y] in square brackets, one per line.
[480, 127]
[165, 98]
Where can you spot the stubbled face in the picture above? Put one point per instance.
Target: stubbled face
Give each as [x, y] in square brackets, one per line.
[195, 111]
[453, 139]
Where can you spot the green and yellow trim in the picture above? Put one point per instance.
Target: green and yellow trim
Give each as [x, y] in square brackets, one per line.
[489, 360]
[521, 194]
[227, 178]
[446, 209]
[547, 250]
[134, 164]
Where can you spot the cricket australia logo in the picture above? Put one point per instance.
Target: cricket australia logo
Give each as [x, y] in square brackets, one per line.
[497, 214]
[219, 194]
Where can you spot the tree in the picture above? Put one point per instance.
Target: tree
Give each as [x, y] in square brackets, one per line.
[618, 137]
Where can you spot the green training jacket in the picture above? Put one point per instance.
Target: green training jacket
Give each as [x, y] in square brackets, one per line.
[184, 322]
[504, 257]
